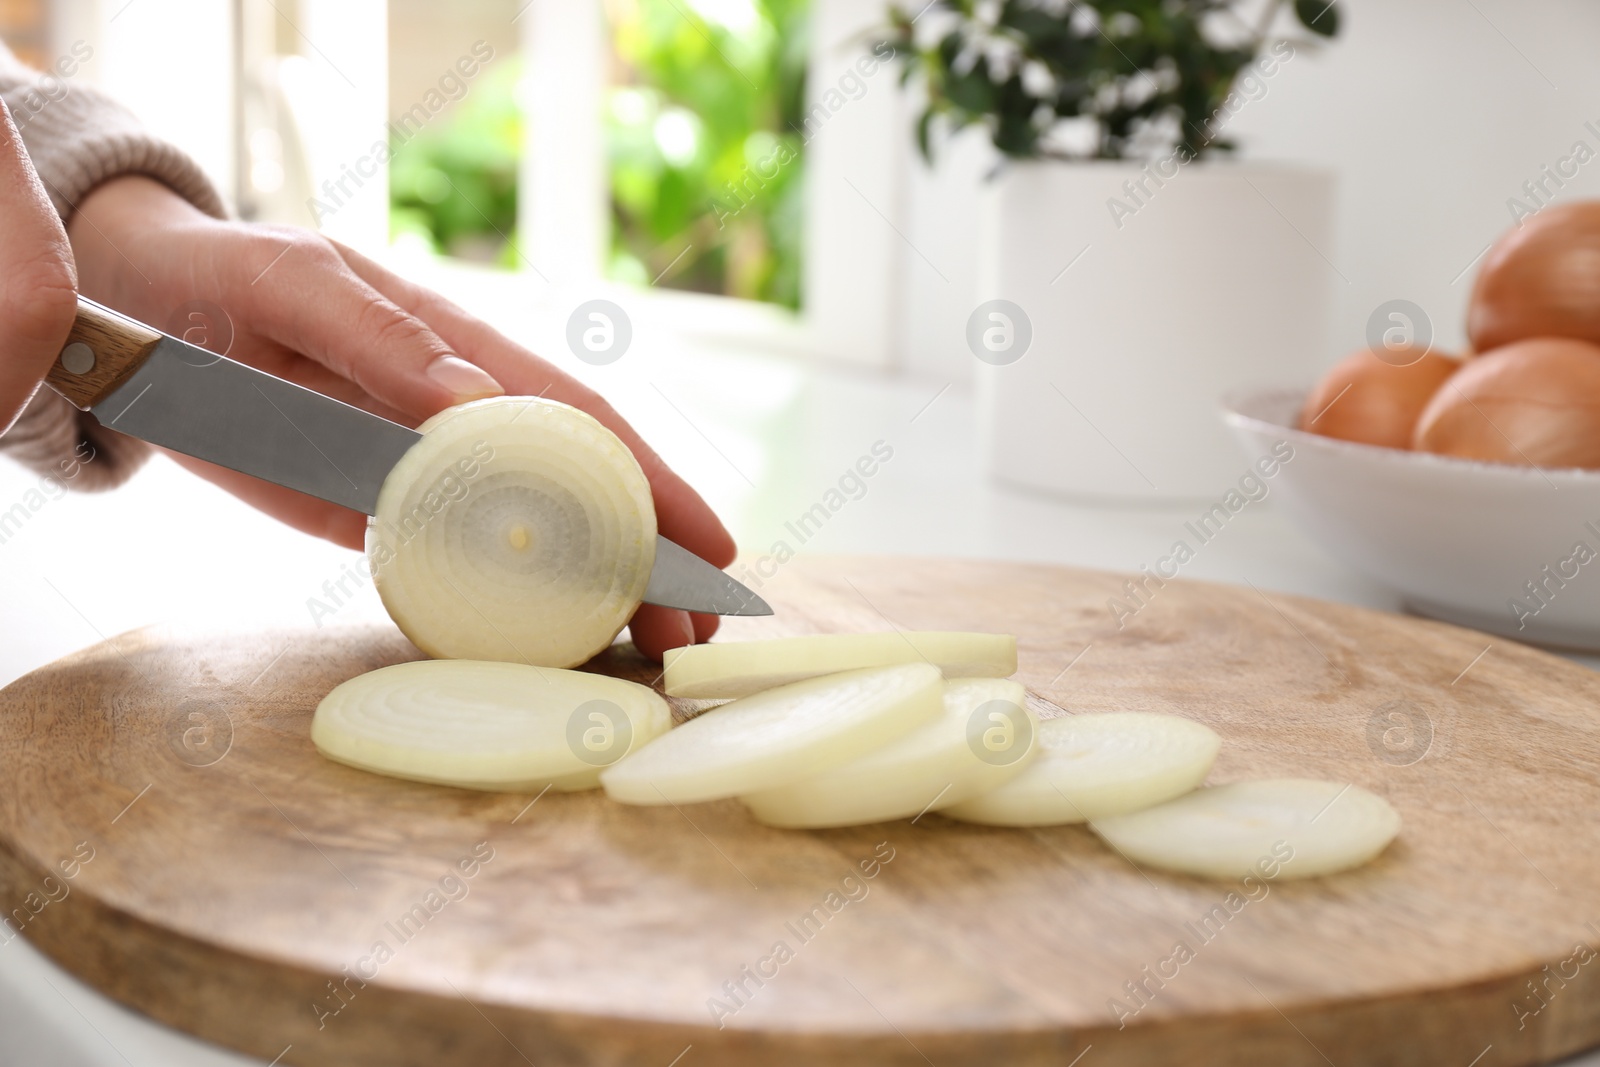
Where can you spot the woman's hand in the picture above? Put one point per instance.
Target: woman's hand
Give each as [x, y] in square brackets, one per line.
[38, 289]
[311, 311]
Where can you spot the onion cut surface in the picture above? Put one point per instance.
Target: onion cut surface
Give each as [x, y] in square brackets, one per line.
[778, 736]
[1097, 765]
[984, 738]
[503, 727]
[517, 529]
[739, 668]
[1308, 827]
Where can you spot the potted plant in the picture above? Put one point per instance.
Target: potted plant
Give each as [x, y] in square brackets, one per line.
[1131, 270]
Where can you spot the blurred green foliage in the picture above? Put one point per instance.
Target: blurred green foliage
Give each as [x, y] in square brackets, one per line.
[704, 143]
[703, 139]
[454, 183]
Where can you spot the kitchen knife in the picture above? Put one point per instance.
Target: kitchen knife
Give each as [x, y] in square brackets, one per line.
[139, 381]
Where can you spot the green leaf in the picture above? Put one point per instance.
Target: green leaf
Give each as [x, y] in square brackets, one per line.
[922, 135]
[973, 91]
[1015, 136]
[1318, 16]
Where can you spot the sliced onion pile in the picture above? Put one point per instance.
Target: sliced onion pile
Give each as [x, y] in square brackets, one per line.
[779, 735]
[739, 668]
[516, 529]
[984, 738]
[885, 740]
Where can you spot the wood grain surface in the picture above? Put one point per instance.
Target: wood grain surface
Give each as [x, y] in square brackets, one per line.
[119, 345]
[242, 888]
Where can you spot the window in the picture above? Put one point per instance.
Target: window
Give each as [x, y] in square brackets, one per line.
[704, 145]
[657, 150]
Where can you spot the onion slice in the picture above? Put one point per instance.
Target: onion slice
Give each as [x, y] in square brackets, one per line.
[503, 727]
[778, 736]
[517, 529]
[984, 738]
[739, 668]
[1098, 765]
[1290, 827]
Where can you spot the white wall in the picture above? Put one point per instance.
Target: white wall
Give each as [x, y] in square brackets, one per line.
[940, 285]
[1432, 113]
[169, 62]
[341, 110]
[564, 206]
[853, 276]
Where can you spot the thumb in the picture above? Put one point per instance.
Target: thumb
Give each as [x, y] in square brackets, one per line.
[38, 284]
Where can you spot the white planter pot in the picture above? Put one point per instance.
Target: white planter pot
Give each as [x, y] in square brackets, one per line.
[1212, 277]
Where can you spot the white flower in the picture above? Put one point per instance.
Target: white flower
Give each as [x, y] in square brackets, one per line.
[1141, 86]
[1122, 24]
[1037, 81]
[1004, 56]
[933, 26]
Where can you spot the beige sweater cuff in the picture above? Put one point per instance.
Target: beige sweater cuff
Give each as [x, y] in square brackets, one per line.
[78, 138]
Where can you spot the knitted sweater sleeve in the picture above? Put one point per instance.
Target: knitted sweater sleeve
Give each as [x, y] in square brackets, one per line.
[78, 138]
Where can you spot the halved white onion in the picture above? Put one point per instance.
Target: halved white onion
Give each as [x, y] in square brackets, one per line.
[984, 738]
[1274, 828]
[517, 529]
[1097, 765]
[739, 668]
[778, 736]
[504, 727]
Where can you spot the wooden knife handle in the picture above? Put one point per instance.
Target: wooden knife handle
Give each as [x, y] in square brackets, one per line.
[103, 349]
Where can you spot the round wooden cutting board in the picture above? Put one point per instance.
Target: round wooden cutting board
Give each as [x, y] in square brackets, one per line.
[169, 834]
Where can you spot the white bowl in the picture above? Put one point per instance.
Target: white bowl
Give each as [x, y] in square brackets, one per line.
[1510, 550]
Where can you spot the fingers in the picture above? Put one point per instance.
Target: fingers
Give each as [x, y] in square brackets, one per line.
[681, 514]
[287, 286]
[656, 629]
[38, 286]
[282, 362]
[704, 625]
[308, 299]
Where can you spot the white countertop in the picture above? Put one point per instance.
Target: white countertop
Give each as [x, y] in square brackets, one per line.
[762, 437]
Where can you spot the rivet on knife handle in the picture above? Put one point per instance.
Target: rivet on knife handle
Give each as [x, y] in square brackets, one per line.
[102, 350]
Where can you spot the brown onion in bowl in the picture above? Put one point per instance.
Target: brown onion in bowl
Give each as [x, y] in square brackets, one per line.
[1541, 279]
[1532, 403]
[1376, 399]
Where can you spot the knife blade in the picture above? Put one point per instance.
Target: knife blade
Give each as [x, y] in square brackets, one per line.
[139, 381]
